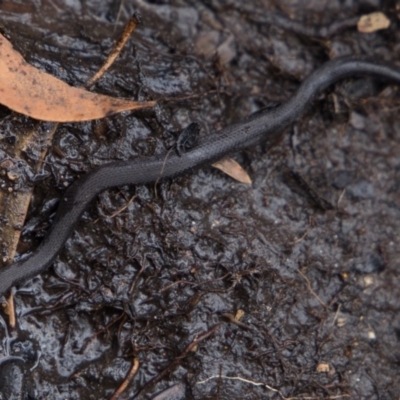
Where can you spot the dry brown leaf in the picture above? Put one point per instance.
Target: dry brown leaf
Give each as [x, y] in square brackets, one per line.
[16, 206]
[233, 169]
[373, 22]
[39, 95]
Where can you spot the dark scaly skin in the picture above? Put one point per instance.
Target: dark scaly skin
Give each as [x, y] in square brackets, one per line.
[208, 149]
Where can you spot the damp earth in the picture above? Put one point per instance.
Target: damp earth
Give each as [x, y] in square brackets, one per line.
[295, 277]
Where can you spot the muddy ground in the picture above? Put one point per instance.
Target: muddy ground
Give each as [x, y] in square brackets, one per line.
[308, 255]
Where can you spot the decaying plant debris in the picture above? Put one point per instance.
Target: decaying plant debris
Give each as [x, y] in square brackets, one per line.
[318, 287]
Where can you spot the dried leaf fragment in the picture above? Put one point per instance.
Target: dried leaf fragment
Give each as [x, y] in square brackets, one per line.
[373, 22]
[323, 367]
[29, 91]
[9, 309]
[239, 314]
[233, 169]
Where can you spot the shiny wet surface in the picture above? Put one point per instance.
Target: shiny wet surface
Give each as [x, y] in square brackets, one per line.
[318, 285]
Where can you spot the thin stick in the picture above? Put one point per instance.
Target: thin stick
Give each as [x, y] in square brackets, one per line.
[238, 378]
[310, 288]
[162, 171]
[25, 198]
[124, 207]
[115, 52]
[177, 360]
[125, 383]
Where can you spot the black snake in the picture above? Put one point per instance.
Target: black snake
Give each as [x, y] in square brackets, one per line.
[208, 149]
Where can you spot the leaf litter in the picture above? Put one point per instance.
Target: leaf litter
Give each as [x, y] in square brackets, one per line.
[16, 206]
[232, 168]
[37, 94]
[29, 91]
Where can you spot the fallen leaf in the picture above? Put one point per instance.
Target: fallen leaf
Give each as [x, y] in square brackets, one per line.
[29, 91]
[233, 169]
[372, 22]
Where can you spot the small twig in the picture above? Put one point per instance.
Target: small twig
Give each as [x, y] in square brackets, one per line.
[178, 99]
[310, 288]
[115, 52]
[177, 360]
[300, 239]
[129, 377]
[25, 198]
[277, 349]
[104, 329]
[341, 197]
[124, 207]
[136, 280]
[34, 366]
[162, 170]
[236, 322]
[238, 378]
[194, 284]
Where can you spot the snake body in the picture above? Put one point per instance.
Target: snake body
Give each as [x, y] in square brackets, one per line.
[207, 150]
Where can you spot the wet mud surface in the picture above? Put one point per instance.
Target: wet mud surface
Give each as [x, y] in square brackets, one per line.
[308, 255]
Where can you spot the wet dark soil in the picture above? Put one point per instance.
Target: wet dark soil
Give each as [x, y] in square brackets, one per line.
[308, 255]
